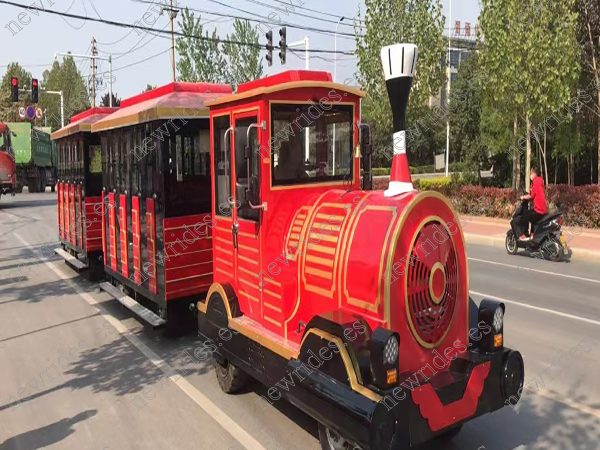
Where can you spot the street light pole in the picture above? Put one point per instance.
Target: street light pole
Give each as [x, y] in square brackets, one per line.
[172, 14]
[448, 91]
[335, 48]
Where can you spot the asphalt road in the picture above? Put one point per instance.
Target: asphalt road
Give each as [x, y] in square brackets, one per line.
[77, 371]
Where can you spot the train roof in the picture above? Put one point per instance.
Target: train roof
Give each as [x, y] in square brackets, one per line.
[172, 101]
[82, 122]
[291, 79]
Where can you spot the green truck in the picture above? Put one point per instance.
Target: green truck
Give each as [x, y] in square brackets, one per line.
[35, 155]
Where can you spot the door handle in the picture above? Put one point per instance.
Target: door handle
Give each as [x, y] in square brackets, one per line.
[234, 234]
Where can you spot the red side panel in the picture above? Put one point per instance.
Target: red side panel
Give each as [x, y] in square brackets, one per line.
[104, 198]
[59, 202]
[136, 231]
[67, 212]
[112, 223]
[187, 255]
[151, 244]
[80, 217]
[72, 216]
[123, 242]
[93, 224]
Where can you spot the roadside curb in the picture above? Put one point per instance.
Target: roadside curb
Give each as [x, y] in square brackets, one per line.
[579, 254]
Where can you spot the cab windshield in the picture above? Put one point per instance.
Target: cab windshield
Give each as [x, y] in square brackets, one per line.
[311, 143]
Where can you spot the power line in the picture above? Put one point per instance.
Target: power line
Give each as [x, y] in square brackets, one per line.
[142, 60]
[337, 16]
[285, 11]
[271, 22]
[262, 19]
[149, 29]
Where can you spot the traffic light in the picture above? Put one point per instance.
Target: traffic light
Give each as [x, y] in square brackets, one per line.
[34, 90]
[14, 89]
[270, 47]
[282, 44]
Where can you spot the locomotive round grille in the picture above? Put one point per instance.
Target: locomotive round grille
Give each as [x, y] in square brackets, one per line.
[431, 284]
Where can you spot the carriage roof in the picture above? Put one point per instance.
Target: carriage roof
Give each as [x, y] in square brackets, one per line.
[285, 81]
[82, 122]
[172, 101]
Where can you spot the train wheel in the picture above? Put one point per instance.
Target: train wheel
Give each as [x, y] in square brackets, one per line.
[331, 440]
[231, 379]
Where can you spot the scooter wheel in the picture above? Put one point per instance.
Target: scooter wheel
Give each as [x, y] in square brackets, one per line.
[552, 250]
[511, 243]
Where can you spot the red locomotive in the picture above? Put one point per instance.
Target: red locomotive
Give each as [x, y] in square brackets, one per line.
[8, 168]
[79, 160]
[352, 304]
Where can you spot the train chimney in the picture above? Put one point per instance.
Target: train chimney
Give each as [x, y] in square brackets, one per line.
[399, 63]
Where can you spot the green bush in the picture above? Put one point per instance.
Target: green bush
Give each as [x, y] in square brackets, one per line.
[380, 171]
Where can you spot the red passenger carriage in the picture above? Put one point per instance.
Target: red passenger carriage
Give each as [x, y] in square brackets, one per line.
[79, 161]
[352, 304]
[156, 198]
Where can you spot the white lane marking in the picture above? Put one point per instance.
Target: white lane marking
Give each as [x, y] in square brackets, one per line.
[537, 308]
[217, 414]
[528, 269]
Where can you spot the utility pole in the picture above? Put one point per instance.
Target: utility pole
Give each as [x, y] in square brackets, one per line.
[449, 85]
[172, 14]
[94, 67]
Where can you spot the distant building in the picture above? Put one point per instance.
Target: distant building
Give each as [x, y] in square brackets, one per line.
[463, 44]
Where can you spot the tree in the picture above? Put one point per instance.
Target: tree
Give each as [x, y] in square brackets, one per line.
[8, 110]
[244, 61]
[529, 60]
[465, 107]
[208, 60]
[589, 37]
[64, 76]
[104, 101]
[389, 22]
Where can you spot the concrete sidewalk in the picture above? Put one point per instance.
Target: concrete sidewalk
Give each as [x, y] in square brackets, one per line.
[584, 242]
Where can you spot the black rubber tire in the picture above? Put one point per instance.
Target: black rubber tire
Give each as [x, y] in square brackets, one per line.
[552, 250]
[324, 441]
[53, 188]
[230, 378]
[510, 243]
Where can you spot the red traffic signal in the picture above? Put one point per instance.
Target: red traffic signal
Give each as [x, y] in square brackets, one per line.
[14, 92]
[34, 90]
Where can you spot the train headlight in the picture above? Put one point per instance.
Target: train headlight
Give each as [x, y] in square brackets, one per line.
[491, 325]
[390, 351]
[385, 349]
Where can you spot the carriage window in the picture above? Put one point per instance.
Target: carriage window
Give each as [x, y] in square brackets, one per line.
[179, 153]
[222, 147]
[309, 149]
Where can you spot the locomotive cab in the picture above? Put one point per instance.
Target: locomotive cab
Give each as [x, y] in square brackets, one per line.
[351, 303]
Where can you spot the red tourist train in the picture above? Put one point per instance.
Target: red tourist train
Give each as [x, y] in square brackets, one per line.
[8, 168]
[79, 188]
[352, 304]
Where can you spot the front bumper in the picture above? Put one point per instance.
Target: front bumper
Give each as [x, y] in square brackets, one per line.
[413, 413]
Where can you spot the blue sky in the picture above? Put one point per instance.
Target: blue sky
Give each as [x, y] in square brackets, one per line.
[36, 43]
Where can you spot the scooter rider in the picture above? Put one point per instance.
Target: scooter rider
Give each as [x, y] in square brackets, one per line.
[538, 196]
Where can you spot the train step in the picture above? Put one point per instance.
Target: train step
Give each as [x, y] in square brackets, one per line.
[70, 259]
[129, 303]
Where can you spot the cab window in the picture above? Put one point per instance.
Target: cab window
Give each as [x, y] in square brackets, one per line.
[311, 143]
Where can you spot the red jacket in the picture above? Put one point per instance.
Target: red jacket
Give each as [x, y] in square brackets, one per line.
[538, 196]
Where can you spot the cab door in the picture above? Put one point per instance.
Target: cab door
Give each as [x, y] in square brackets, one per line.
[246, 214]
